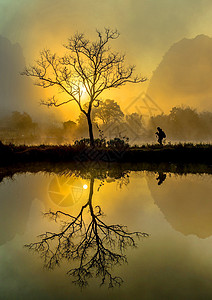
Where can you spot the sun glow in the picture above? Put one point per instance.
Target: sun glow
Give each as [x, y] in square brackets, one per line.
[85, 186]
[83, 90]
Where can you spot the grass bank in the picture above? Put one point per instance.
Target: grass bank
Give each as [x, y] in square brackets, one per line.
[120, 153]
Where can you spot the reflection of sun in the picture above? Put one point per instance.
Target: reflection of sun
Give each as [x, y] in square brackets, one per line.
[65, 191]
[85, 186]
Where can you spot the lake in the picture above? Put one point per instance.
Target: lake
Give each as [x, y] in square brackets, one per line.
[145, 234]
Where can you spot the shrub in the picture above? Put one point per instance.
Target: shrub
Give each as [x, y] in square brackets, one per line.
[118, 144]
[82, 143]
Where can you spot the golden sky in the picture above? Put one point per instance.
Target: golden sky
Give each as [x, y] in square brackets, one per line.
[148, 27]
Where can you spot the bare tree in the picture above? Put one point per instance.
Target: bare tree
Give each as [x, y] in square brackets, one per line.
[94, 245]
[88, 67]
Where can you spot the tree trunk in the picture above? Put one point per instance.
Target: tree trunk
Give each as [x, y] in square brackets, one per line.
[90, 126]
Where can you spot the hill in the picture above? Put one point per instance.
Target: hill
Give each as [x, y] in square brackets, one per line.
[184, 75]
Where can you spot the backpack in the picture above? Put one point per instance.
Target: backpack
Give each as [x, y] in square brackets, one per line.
[163, 134]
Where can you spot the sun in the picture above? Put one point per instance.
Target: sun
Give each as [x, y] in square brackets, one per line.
[83, 89]
[85, 186]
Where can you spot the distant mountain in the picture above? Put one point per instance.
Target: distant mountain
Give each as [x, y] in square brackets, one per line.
[16, 92]
[184, 75]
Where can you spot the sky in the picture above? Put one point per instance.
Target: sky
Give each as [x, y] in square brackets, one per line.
[148, 27]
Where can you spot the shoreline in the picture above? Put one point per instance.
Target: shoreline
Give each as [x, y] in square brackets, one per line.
[179, 153]
[101, 170]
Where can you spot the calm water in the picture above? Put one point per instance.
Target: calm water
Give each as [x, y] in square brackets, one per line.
[173, 262]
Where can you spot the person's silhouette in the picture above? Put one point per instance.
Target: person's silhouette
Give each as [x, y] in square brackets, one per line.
[161, 135]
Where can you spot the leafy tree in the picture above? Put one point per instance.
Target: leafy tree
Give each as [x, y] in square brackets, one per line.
[185, 122]
[22, 121]
[108, 110]
[69, 129]
[87, 68]
[206, 121]
[135, 121]
[69, 125]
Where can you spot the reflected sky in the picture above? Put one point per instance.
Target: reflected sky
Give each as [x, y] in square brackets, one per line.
[185, 203]
[175, 262]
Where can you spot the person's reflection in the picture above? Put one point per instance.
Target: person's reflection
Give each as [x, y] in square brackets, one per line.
[161, 178]
[90, 243]
[1, 178]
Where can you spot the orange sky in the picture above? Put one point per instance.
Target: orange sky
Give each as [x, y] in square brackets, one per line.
[148, 29]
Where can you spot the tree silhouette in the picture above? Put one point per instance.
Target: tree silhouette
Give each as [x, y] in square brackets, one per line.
[183, 123]
[88, 67]
[94, 246]
[107, 111]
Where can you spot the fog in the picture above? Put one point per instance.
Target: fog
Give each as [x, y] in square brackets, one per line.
[181, 124]
[18, 93]
[183, 77]
[148, 29]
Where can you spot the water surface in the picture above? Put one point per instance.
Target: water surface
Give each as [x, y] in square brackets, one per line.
[173, 262]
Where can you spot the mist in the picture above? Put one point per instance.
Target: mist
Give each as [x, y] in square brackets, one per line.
[158, 41]
[184, 75]
[181, 124]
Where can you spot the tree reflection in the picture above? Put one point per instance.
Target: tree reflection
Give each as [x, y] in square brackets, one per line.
[92, 246]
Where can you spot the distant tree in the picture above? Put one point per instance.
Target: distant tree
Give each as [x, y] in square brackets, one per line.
[179, 113]
[88, 68]
[107, 111]
[22, 121]
[69, 130]
[54, 134]
[69, 125]
[135, 121]
[206, 120]
[185, 122]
